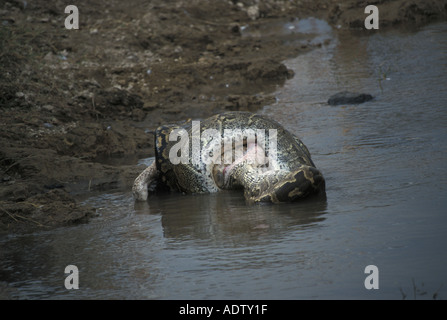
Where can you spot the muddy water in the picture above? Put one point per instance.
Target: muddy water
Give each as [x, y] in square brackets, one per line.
[386, 171]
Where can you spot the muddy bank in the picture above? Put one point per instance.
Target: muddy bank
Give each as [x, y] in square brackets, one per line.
[70, 99]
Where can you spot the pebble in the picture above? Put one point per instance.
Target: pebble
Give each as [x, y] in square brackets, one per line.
[48, 107]
[253, 12]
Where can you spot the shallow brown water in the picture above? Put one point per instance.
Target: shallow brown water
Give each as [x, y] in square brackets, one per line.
[385, 166]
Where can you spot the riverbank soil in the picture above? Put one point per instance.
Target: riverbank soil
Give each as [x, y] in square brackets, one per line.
[72, 100]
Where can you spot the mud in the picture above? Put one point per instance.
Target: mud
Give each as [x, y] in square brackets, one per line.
[70, 99]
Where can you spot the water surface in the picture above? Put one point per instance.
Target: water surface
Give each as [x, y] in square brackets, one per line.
[386, 171]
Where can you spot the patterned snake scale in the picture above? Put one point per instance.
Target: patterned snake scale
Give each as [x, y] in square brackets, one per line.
[287, 176]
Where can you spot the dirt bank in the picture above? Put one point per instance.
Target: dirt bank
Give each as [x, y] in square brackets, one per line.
[70, 99]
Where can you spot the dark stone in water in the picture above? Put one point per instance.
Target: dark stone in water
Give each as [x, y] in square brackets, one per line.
[346, 97]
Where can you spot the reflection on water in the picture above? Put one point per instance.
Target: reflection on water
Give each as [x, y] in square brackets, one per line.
[158, 249]
[386, 171]
[226, 216]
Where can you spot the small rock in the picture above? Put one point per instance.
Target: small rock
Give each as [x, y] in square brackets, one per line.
[48, 107]
[150, 105]
[210, 47]
[49, 57]
[54, 186]
[346, 97]
[253, 12]
[8, 21]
